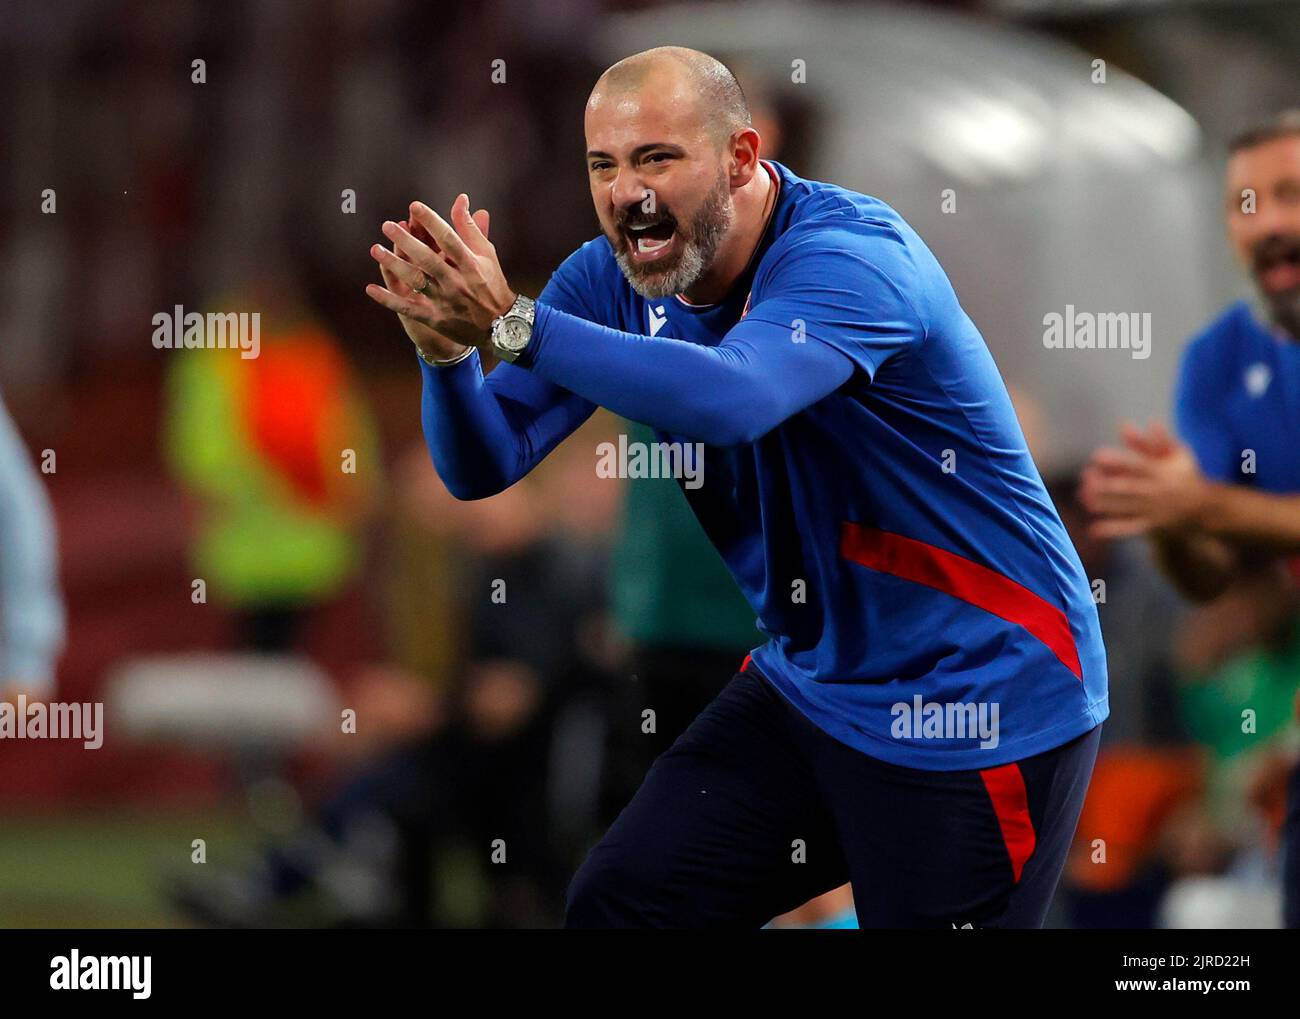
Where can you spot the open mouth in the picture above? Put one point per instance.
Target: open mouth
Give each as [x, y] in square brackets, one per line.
[650, 241]
[1277, 265]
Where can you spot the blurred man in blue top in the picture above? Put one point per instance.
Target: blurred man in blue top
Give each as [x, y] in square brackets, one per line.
[32, 618]
[1226, 498]
[923, 717]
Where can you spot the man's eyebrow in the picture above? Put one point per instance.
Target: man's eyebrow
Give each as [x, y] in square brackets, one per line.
[639, 151]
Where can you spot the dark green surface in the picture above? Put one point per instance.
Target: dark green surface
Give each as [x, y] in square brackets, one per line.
[105, 870]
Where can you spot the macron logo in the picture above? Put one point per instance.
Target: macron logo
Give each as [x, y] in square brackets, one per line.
[657, 319]
[1257, 378]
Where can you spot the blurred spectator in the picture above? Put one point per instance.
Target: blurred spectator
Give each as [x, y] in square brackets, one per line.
[407, 839]
[1218, 505]
[279, 453]
[1241, 656]
[31, 608]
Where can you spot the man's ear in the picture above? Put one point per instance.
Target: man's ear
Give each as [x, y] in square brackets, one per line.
[745, 145]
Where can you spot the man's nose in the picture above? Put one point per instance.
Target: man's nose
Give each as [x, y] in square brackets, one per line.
[1271, 218]
[627, 189]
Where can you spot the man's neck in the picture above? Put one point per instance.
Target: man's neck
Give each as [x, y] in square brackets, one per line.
[1266, 315]
[753, 206]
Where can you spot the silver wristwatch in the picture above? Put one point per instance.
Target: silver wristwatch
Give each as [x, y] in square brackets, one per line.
[512, 331]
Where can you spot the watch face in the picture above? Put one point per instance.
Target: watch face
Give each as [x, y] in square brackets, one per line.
[514, 333]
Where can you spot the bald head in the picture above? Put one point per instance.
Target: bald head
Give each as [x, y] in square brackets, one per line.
[680, 73]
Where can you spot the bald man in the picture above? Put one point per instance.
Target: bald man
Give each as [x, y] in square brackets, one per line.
[923, 719]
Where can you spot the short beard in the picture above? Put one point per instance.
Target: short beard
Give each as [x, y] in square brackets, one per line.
[1284, 309]
[699, 245]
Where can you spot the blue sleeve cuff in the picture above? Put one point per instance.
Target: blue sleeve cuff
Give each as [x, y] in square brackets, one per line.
[541, 319]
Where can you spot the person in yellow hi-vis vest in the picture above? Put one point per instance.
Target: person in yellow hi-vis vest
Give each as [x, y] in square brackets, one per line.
[279, 452]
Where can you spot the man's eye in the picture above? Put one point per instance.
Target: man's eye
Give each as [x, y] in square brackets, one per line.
[659, 157]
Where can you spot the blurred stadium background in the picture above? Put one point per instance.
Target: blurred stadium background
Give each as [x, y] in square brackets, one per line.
[328, 591]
